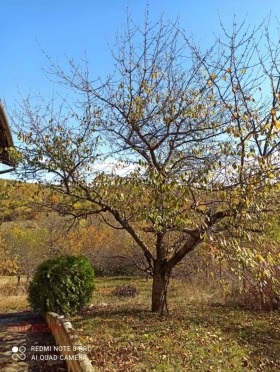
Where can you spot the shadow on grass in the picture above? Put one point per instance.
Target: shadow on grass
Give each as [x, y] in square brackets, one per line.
[118, 278]
[255, 333]
[257, 330]
[264, 340]
[111, 311]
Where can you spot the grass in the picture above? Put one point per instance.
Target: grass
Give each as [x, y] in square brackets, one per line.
[13, 296]
[198, 336]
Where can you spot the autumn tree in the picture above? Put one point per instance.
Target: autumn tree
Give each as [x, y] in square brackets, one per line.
[26, 247]
[111, 251]
[9, 264]
[178, 145]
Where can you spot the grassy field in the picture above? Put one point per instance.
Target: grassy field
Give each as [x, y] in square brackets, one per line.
[13, 296]
[199, 334]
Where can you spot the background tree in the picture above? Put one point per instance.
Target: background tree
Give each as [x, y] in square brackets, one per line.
[26, 246]
[178, 146]
[9, 265]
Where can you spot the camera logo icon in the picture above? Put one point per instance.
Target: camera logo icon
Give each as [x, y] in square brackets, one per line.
[19, 353]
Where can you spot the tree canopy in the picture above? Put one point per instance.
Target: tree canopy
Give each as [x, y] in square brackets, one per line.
[180, 146]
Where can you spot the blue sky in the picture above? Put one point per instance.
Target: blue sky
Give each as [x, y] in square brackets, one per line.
[71, 27]
[74, 26]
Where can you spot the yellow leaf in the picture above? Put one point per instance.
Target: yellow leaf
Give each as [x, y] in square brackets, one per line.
[243, 71]
[213, 76]
[259, 257]
[276, 123]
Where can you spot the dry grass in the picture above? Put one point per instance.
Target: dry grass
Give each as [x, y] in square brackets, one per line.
[198, 336]
[13, 296]
[201, 334]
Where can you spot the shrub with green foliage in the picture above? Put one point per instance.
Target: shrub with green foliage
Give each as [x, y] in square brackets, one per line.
[63, 285]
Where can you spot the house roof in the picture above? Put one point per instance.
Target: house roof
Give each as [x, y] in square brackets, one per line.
[6, 139]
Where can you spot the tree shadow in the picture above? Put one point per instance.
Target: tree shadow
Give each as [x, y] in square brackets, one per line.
[109, 311]
[259, 330]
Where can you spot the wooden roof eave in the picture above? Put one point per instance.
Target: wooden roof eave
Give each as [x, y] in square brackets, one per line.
[6, 139]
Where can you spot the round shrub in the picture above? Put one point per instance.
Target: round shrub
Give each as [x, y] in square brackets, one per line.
[63, 285]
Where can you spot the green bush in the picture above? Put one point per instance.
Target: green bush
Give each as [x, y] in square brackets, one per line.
[63, 285]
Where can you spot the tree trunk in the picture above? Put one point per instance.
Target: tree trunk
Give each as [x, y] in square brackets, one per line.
[161, 278]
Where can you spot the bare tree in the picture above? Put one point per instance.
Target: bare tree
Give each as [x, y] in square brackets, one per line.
[178, 145]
